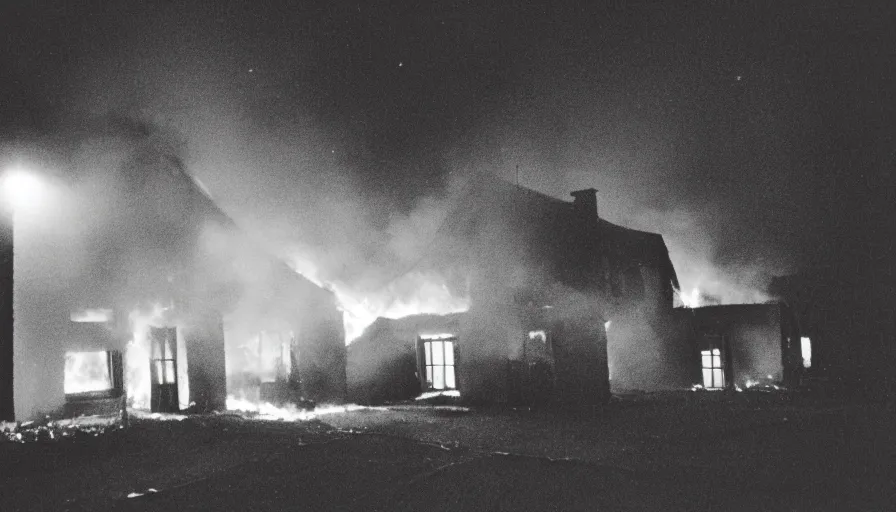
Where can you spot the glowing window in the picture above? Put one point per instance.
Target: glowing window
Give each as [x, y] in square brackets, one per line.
[713, 371]
[87, 372]
[806, 349]
[438, 358]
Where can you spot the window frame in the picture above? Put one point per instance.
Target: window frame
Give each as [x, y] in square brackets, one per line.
[427, 365]
[716, 363]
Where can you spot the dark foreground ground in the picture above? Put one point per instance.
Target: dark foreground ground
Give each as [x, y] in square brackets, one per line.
[689, 451]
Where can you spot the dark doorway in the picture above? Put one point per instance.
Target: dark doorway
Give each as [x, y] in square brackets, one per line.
[539, 363]
[163, 370]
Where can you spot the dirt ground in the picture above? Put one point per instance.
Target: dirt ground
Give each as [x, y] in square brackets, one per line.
[686, 451]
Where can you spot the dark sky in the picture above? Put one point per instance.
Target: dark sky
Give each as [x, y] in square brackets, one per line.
[753, 138]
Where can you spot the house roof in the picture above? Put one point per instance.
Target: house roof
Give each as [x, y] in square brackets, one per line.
[556, 223]
[639, 247]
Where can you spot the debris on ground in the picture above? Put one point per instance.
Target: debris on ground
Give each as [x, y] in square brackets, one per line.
[49, 430]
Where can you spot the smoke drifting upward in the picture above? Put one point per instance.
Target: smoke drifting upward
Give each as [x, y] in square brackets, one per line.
[341, 135]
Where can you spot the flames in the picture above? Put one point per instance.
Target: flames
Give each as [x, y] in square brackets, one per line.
[137, 355]
[691, 300]
[413, 294]
[416, 293]
[86, 372]
[766, 382]
[267, 411]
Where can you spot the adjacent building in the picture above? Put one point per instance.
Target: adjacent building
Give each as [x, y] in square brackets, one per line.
[131, 285]
[564, 307]
[744, 345]
[561, 302]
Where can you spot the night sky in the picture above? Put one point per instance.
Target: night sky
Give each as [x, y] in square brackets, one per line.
[758, 140]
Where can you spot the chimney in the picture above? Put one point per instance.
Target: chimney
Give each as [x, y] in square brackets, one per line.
[585, 204]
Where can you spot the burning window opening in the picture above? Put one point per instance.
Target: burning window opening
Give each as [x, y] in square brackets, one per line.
[92, 315]
[713, 372]
[438, 359]
[273, 355]
[259, 369]
[89, 373]
[806, 350]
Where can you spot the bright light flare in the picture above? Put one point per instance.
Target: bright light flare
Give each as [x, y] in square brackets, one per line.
[21, 189]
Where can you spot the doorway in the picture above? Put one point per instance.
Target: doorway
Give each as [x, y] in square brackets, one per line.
[163, 369]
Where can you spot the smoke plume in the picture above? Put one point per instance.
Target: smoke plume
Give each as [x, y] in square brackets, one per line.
[339, 137]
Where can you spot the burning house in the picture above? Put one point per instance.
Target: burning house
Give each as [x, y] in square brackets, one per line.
[745, 345]
[559, 300]
[132, 285]
[385, 363]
